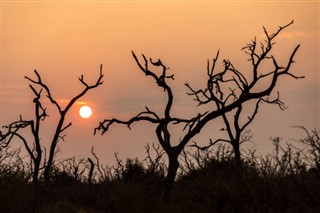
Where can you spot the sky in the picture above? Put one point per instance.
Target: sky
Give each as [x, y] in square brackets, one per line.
[63, 40]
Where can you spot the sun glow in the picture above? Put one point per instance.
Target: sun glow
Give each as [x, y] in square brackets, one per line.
[85, 112]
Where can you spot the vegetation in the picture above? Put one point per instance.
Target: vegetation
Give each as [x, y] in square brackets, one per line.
[35, 148]
[226, 91]
[172, 178]
[286, 180]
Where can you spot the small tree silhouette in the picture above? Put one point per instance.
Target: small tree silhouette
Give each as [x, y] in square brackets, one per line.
[237, 129]
[312, 140]
[35, 149]
[214, 93]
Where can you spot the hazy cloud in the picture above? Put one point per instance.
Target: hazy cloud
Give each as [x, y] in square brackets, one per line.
[81, 103]
[65, 101]
[291, 34]
[285, 35]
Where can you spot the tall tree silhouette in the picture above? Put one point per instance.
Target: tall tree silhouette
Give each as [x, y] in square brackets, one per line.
[220, 89]
[214, 93]
[34, 148]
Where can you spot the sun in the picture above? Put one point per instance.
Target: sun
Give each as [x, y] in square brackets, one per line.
[85, 112]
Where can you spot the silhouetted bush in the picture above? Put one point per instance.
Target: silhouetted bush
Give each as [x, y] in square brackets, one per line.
[285, 180]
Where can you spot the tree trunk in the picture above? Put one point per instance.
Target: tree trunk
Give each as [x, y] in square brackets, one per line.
[53, 147]
[35, 176]
[49, 163]
[35, 180]
[169, 179]
[90, 172]
[237, 154]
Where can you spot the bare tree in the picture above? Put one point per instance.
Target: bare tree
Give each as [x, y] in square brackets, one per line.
[72, 168]
[237, 127]
[214, 93]
[11, 161]
[312, 140]
[35, 149]
[105, 173]
[154, 164]
[90, 172]
[222, 89]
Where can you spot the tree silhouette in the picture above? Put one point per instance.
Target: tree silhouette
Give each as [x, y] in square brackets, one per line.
[312, 140]
[236, 125]
[237, 129]
[34, 149]
[224, 103]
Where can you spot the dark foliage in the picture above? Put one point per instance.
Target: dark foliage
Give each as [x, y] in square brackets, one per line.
[209, 181]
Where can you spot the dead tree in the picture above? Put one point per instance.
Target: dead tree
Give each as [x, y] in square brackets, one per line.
[35, 149]
[221, 90]
[213, 93]
[90, 172]
[237, 132]
[237, 129]
[312, 141]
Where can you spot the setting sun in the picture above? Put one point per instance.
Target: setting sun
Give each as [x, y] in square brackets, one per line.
[85, 111]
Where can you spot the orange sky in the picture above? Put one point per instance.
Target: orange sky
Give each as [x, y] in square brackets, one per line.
[63, 40]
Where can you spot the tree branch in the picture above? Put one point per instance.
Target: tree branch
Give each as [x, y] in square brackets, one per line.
[142, 116]
[211, 143]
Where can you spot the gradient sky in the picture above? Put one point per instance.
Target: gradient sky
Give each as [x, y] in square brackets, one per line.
[64, 39]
